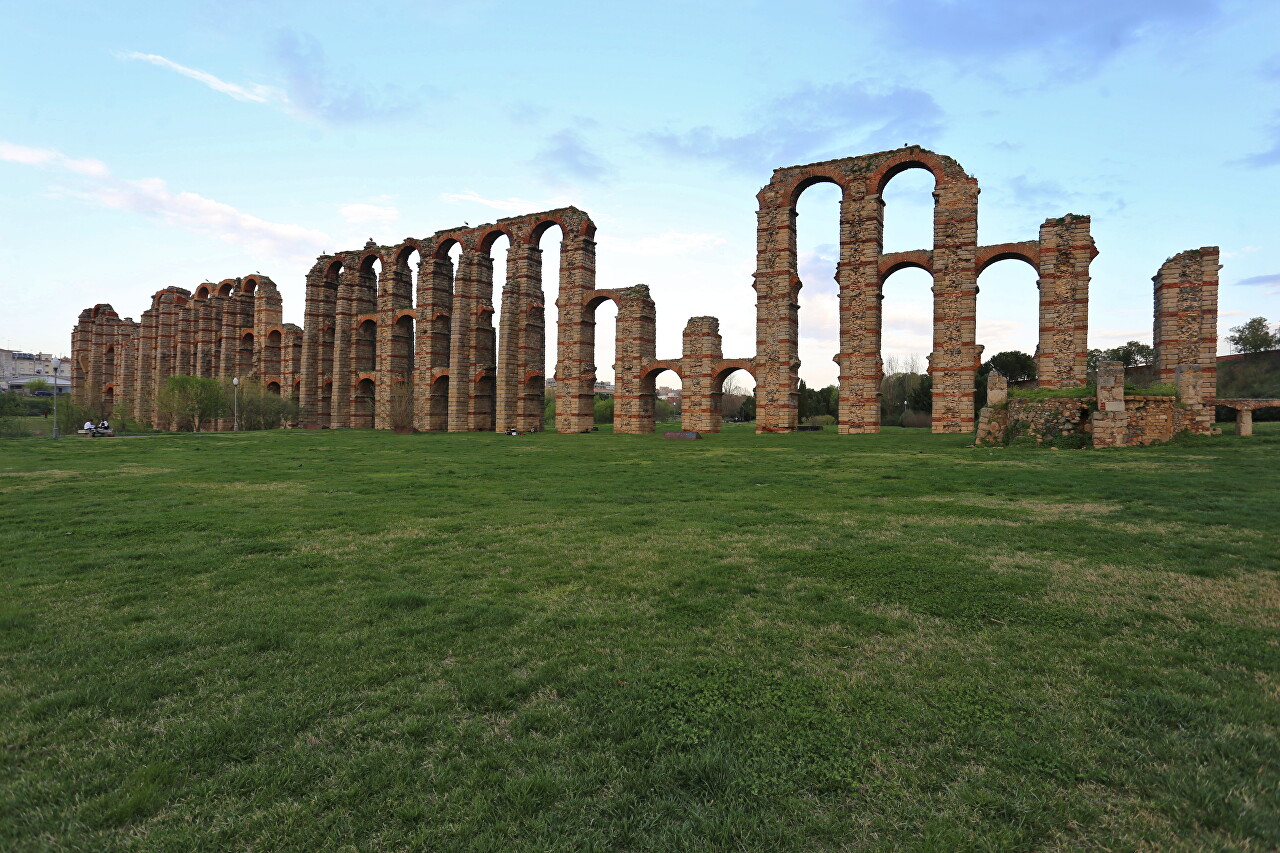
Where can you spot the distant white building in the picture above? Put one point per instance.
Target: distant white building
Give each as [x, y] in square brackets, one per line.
[19, 368]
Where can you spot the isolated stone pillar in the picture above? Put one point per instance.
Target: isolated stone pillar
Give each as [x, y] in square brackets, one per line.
[1110, 421]
[1066, 251]
[635, 347]
[1186, 312]
[997, 389]
[954, 362]
[1244, 422]
[700, 410]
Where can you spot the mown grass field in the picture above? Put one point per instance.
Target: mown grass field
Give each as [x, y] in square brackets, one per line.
[356, 640]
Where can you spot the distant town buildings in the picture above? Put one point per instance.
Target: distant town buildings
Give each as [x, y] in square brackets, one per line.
[19, 368]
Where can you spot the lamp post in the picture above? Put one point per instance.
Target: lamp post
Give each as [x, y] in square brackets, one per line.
[235, 404]
[56, 365]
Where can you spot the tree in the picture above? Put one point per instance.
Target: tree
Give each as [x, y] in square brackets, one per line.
[261, 408]
[1252, 336]
[1013, 365]
[603, 409]
[35, 386]
[190, 401]
[1132, 354]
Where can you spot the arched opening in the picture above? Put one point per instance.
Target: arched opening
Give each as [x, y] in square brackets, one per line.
[1008, 321]
[274, 388]
[484, 396]
[109, 364]
[490, 331]
[545, 321]
[271, 354]
[329, 332]
[734, 396]
[362, 410]
[437, 414]
[364, 351]
[225, 288]
[817, 211]
[244, 357]
[908, 211]
[603, 315]
[660, 399]
[248, 287]
[295, 357]
[108, 401]
[906, 339]
[202, 292]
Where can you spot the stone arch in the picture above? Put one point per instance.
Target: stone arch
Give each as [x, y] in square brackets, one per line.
[362, 413]
[723, 370]
[244, 363]
[648, 394]
[1027, 252]
[890, 164]
[271, 352]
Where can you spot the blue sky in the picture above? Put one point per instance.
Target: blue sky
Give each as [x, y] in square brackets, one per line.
[148, 145]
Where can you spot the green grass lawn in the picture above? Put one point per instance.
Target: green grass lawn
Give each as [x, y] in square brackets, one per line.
[307, 640]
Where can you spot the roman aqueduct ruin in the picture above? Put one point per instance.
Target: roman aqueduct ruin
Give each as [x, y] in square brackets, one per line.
[369, 344]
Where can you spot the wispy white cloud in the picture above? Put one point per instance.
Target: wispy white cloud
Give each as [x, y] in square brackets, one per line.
[151, 197]
[48, 157]
[253, 93]
[189, 211]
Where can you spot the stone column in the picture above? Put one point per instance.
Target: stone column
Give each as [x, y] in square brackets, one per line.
[432, 359]
[636, 346]
[1186, 312]
[1110, 421]
[777, 287]
[1066, 251]
[395, 294]
[1244, 422]
[954, 362]
[576, 335]
[343, 387]
[462, 326]
[861, 368]
[997, 389]
[700, 409]
[318, 313]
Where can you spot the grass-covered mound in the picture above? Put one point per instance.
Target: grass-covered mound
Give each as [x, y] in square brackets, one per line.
[305, 640]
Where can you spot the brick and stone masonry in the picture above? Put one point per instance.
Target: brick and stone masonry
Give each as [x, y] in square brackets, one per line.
[371, 353]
